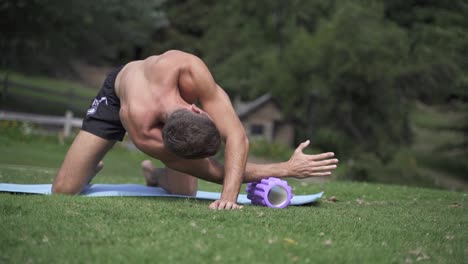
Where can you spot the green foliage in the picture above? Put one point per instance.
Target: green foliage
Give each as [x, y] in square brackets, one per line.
[353, 61]
[441, 144]
[403, 170]
[14, 129]
[437, 34]
[45, 35]
[349, 68]
[333, 139]
[437, 157]
[270, 151]
[12, 132]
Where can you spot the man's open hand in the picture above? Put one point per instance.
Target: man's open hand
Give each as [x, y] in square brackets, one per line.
[224, 205]
[302, 165]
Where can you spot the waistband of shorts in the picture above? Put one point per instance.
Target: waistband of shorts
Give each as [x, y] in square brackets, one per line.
[110, 80]
[108, 87]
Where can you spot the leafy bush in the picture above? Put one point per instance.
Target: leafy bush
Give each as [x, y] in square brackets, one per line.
[405, 169]
[12, 131]
[269, 150]
[262, 148]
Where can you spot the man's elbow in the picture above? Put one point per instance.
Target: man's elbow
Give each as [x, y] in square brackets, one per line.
[139, 143]
[244, 141]
[142, 141]
[240, 142]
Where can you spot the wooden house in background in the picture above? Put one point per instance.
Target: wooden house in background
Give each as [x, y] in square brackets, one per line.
[263, 118]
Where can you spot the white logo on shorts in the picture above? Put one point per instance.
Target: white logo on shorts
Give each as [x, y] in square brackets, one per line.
[94, 106]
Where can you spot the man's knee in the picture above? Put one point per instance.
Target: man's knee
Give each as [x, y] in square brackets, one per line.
[61, 187]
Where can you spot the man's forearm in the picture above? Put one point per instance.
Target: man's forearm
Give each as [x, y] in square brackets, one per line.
[253, 172]
[234, 167]
[256, 172]
[300, 165]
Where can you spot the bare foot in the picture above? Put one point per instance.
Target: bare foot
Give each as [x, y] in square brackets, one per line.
[99, 167]
[96, 170]
[150, 173]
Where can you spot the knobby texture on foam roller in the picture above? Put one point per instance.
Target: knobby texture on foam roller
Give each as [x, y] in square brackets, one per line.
[271, 192]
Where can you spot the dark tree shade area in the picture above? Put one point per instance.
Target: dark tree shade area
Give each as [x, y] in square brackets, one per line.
[46, 35]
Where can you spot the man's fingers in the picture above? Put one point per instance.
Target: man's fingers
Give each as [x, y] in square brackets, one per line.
[314, 174]
[228, 206]
[317, 171]
[302, 146]
[218, 204]
[214, 205]
[325, 168]
[224, 205]
[232, 206]
[326, 162]
[322, 156]
[326, 173]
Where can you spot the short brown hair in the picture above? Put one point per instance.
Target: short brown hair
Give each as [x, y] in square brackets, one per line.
[190, 135]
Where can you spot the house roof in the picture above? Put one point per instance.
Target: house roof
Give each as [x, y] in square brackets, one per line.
[245, 108]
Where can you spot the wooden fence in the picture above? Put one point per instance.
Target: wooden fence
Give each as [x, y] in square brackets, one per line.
[67, 121]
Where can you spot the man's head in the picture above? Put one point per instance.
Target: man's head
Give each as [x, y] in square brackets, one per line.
[191, 134]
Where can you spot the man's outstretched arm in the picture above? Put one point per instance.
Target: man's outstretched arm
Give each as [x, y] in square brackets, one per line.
[300, 165]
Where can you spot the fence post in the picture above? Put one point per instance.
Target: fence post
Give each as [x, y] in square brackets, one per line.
[67, 126]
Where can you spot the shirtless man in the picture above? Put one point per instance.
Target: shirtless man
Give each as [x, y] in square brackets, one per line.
[154, 101]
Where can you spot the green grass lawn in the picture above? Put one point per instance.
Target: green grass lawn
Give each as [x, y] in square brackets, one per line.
[369, 223]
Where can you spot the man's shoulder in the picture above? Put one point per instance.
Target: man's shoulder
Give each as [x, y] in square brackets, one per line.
[177, 53]
[175, 57]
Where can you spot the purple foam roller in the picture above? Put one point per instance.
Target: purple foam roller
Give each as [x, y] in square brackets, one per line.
[271, 192]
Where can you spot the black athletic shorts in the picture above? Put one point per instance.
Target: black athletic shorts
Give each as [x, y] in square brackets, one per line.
[102, 118]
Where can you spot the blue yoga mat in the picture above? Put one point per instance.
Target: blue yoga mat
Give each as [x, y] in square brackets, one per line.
[104, 190]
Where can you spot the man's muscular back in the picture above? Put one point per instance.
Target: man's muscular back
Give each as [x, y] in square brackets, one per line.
[148, 90]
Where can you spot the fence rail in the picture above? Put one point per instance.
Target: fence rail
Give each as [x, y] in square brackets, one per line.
[69, 94]
[67, 121]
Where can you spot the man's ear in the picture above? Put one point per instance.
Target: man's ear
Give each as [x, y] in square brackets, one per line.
[195, 109]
